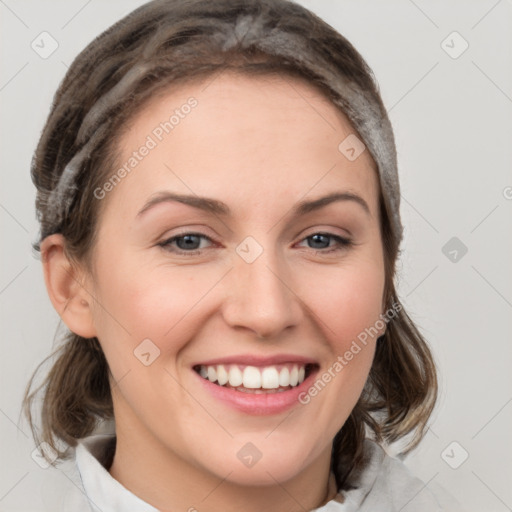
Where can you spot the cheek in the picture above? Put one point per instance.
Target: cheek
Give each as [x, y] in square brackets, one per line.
[153, 304]
[143, 322]
[348, 305]
[348, 301]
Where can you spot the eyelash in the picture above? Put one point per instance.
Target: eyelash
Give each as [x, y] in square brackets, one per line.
[343, 243]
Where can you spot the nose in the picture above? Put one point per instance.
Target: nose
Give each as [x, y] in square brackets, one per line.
[261, 297]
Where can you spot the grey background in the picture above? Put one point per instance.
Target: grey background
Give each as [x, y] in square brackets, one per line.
[453, 125]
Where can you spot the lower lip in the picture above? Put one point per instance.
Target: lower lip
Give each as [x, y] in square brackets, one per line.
[258, 403]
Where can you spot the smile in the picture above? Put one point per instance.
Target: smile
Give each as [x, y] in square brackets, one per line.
[256, 379]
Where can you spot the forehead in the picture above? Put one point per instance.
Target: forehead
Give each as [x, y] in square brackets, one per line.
[264, 134]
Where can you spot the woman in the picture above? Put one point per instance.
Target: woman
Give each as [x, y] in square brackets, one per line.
[219, 206]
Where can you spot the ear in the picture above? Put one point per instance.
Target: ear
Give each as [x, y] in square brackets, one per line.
[67, 287]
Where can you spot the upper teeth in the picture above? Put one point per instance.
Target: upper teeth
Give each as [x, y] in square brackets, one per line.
[253, 377]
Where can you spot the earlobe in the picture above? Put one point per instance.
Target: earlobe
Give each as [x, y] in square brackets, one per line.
[66, 287]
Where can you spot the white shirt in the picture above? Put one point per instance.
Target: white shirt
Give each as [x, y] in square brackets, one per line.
[385, 485]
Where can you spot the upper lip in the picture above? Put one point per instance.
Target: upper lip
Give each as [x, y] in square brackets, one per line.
[254, 360]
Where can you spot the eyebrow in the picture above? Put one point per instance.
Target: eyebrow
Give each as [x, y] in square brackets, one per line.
[217, 207]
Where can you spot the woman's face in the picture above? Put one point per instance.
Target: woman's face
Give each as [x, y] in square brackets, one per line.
[244, 277]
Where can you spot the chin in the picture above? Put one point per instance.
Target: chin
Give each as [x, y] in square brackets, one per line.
[260, 463]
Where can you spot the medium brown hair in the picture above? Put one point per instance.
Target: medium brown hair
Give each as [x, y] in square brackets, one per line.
[180, 41]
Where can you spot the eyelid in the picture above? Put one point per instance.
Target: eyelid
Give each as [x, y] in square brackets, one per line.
[342, 242]
[167, 241]
[328, 230]
[183, 230]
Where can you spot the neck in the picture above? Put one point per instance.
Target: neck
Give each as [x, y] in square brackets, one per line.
[163, 479]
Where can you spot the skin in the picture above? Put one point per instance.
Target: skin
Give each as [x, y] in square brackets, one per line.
[261, 145]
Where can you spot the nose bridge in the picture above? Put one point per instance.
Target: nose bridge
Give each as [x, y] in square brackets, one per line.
[261, 296]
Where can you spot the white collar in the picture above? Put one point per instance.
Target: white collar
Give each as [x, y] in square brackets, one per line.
[101, 488]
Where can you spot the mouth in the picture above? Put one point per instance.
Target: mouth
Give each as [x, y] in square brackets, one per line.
[256, 384]
[257, 379]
